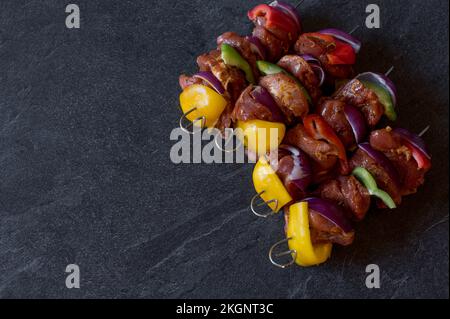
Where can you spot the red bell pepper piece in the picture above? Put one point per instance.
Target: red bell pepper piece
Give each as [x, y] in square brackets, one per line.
[327, 39]
[423, 162]
[338, 52]
[319, 129]
[342, 54]
[274, 18]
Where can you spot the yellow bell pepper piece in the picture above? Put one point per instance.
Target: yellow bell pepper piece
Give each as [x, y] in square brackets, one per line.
[266, 180]
[260, 137]
[206, 101]
[298, 230]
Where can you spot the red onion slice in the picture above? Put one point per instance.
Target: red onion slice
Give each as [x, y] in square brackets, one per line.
[212, 81]
[297, 176]
[289, 10]
[292, 150]
[261, 95]
[382, 80]
[414, 139]
[301, 174]
[320, 73]
[257, 47]
[309, 58]
[383, 161]
[330, 211]
[357, 122]
[303, 179]
[343, 36]
[316, 66]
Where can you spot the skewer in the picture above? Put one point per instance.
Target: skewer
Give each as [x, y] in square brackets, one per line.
[227, 141]
[354, 29]
[190, 125]
[389, 71]
[254, 201]
[292, 253]
[425, 130]
[203, 119]
[299, 4]
[254, 204]
[351, 32]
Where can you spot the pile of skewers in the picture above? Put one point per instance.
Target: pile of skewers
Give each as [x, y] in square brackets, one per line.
[331, 159]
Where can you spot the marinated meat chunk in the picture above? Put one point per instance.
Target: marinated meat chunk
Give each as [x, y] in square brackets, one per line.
[356, 94]
[185, 81]
[307, 43]
[225, 120]
[323, 154]
[281, 34]
[348, 192]
[276, 48]
[387, 142]
[232, 79]
[331, 190]
[411, 177]
[383, 179]
[332, 112]
[357, 197]
[242, 46]
[299, 68]
[247, 108]
[287, 94]
[337, 71]
[324, 231]
[321, 175]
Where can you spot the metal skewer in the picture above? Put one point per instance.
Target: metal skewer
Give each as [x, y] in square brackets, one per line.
[188, 128]
[292, 253]
[389, 71]
[425, 130]
[299, 4]
[227, 141]
[354, 29]
[190, 125]
[254, 203]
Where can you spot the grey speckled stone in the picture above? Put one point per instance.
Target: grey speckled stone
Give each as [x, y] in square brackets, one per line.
[85, 175]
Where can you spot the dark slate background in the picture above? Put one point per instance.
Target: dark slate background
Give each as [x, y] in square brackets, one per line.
[85, 175]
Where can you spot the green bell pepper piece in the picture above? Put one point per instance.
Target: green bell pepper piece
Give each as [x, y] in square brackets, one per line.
[385, 197]
[384, 97]
[232, 57]
[268, 68]
[364, 176]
